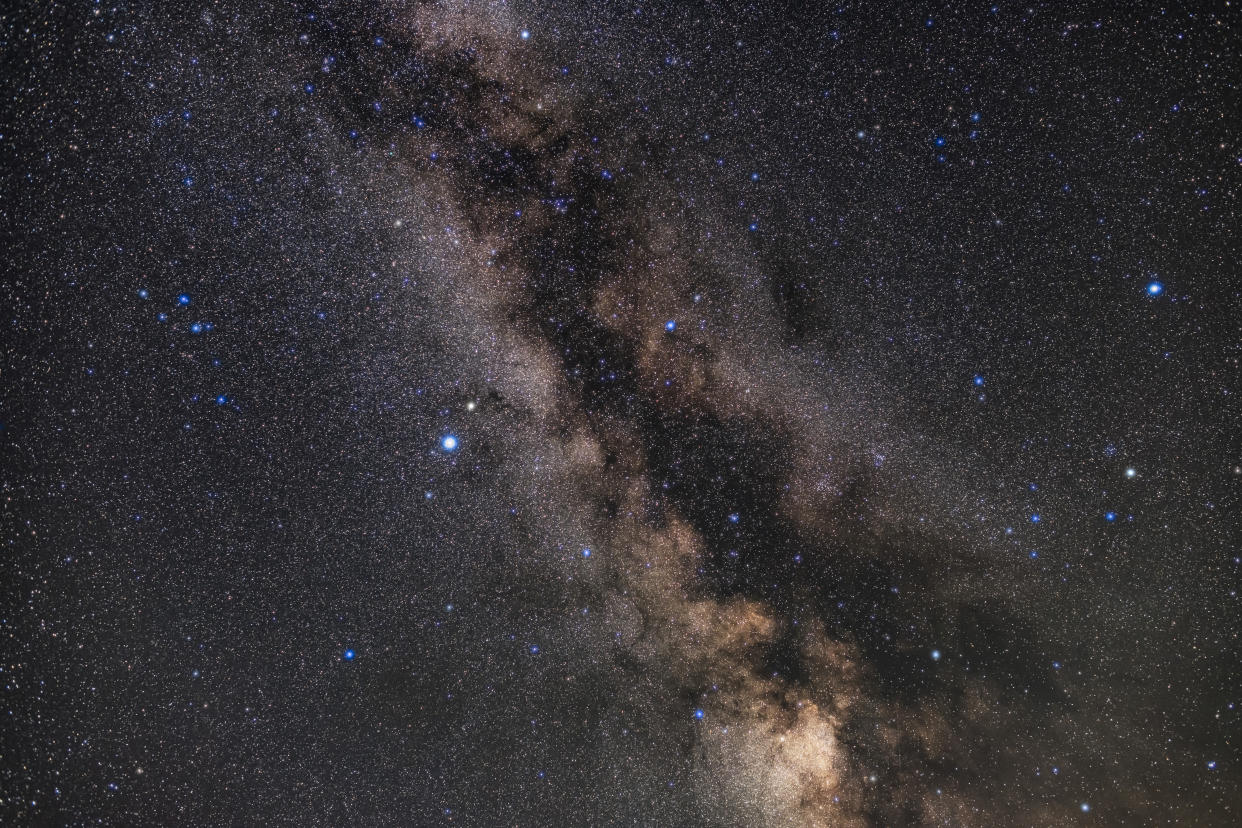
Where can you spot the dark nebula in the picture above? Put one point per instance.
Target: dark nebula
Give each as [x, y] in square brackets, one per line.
[584, 413]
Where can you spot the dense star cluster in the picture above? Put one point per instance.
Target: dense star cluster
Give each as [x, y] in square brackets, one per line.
[601, 413]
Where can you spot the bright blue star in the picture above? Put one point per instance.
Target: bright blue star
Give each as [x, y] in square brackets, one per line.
[1110, 516]
[978, 379]
[197, 327]
[143, 294]
[448, 442]
[670, 325]
[754, 176]
[935, 655]
[941, 140]
[607, 176]
[698, 713]
[348, 655]
[1211, 765]
[974, 117]
[163, 317]
[1034, 518]
[221, 399]
[1154, 288]
[183, 299]
[534, 649]
[1085, 807]
[586, 553]
[734, 518]
[524, 34]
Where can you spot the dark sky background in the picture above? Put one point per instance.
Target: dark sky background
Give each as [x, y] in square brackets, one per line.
[620, 414]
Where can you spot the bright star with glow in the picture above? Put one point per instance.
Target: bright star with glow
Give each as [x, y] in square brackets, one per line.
[670, 325]
[978, 379]
[1131, 472]
[1110, 516]
[348, 655]
[183, 299]
[935, 655]
[586, 553]
[524, 34]
[1035, 518]
[448, 442]
[1154, 288]
[698, 713]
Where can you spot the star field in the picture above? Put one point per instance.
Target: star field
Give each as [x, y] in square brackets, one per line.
[469, 413]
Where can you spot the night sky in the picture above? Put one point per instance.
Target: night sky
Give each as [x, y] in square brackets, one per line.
[612, 413]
